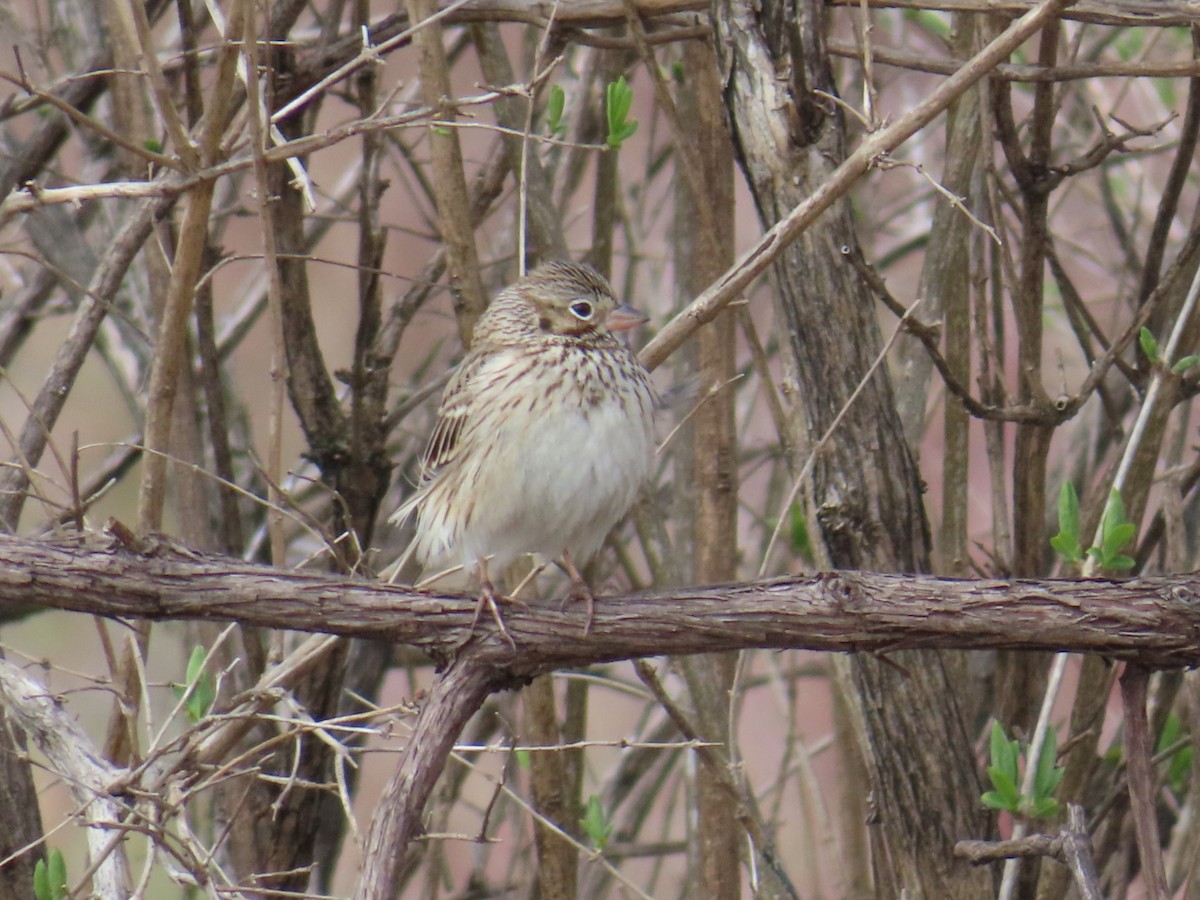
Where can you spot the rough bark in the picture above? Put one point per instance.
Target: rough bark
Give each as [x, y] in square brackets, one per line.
[705, 229]
[19, 839]
[866, 488]
[1152, 620]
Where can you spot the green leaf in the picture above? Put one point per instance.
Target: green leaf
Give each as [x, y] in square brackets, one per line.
[799, 540]
[41, 881]
[992, 800]
[937, 24]
[1165, 88]
[554, 110]
[1006, 797]
[1004, 752]
[1172, 731]
[1066, 542]
[1005, 785]
[1050, 780]
[1184, 364]
[198, 686]
[153, 145]
[1116, 538]
[1128, 43]
[1047, 776]
[1114, 756]
[622, 96]
[58, 874]
[523, 759]
[195, 666]
[50, 877]
[618, 102]
[1121, 562]
[1067, 551]
[1045, 808]
[1179, 763]
[1148, 344]
[595, 824]
[1004, 772]
[1115, 533]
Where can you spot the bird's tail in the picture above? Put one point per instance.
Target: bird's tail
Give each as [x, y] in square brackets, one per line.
[398, 518]
[406, 509]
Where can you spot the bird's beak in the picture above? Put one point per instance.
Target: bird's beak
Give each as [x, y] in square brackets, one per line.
[625, 317]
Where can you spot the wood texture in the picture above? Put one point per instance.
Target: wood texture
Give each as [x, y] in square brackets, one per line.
[1154, 621]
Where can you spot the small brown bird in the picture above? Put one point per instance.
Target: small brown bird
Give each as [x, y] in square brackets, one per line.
[543, 436]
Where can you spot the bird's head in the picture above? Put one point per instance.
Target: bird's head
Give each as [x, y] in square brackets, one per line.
[565, 300]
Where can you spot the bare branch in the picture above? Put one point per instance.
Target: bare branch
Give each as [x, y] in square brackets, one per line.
[1152, 620]
[755, 260]
[71, 752]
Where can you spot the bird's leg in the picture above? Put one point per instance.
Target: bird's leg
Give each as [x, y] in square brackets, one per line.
[533, 573]
[579, 589]
[488, 597]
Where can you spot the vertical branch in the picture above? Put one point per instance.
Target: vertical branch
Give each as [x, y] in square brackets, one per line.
[456, 695]
[23, 819]
[259, 117]
[1032, 441]
[704, 195]
[557, 857]
[172, 333]
[1132, 480]
[449, 182]
[546, 237]
[1139, 747]
[1181, 167]
[866, 485]
[369, 465]
[229, 524]
[169, 357]
[945, 291]
[135, 22]
[129, 107]
[169, 354]
[704, 250]
[1020, 680]
[988, 324]
[608, 181]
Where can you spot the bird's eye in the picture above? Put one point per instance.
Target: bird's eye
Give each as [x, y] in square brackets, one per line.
[582, 310]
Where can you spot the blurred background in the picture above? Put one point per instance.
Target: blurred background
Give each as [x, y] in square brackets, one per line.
[298, 316]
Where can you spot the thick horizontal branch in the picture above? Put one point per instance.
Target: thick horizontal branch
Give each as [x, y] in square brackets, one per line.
[1154, 621]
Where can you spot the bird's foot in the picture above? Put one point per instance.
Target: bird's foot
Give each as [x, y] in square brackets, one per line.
[580, 591]
[490, 599]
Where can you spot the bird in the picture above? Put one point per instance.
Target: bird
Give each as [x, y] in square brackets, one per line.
[543, 437]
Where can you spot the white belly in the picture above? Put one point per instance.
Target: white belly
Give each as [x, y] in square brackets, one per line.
[564, 484]
[552, 474]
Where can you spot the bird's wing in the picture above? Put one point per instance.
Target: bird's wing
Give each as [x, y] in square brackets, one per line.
[452, 413]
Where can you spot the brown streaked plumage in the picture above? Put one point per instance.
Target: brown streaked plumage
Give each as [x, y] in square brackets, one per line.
[543, 436]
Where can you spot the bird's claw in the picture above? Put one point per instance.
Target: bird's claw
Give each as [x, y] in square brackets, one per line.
[580, 591]
[491, 599]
